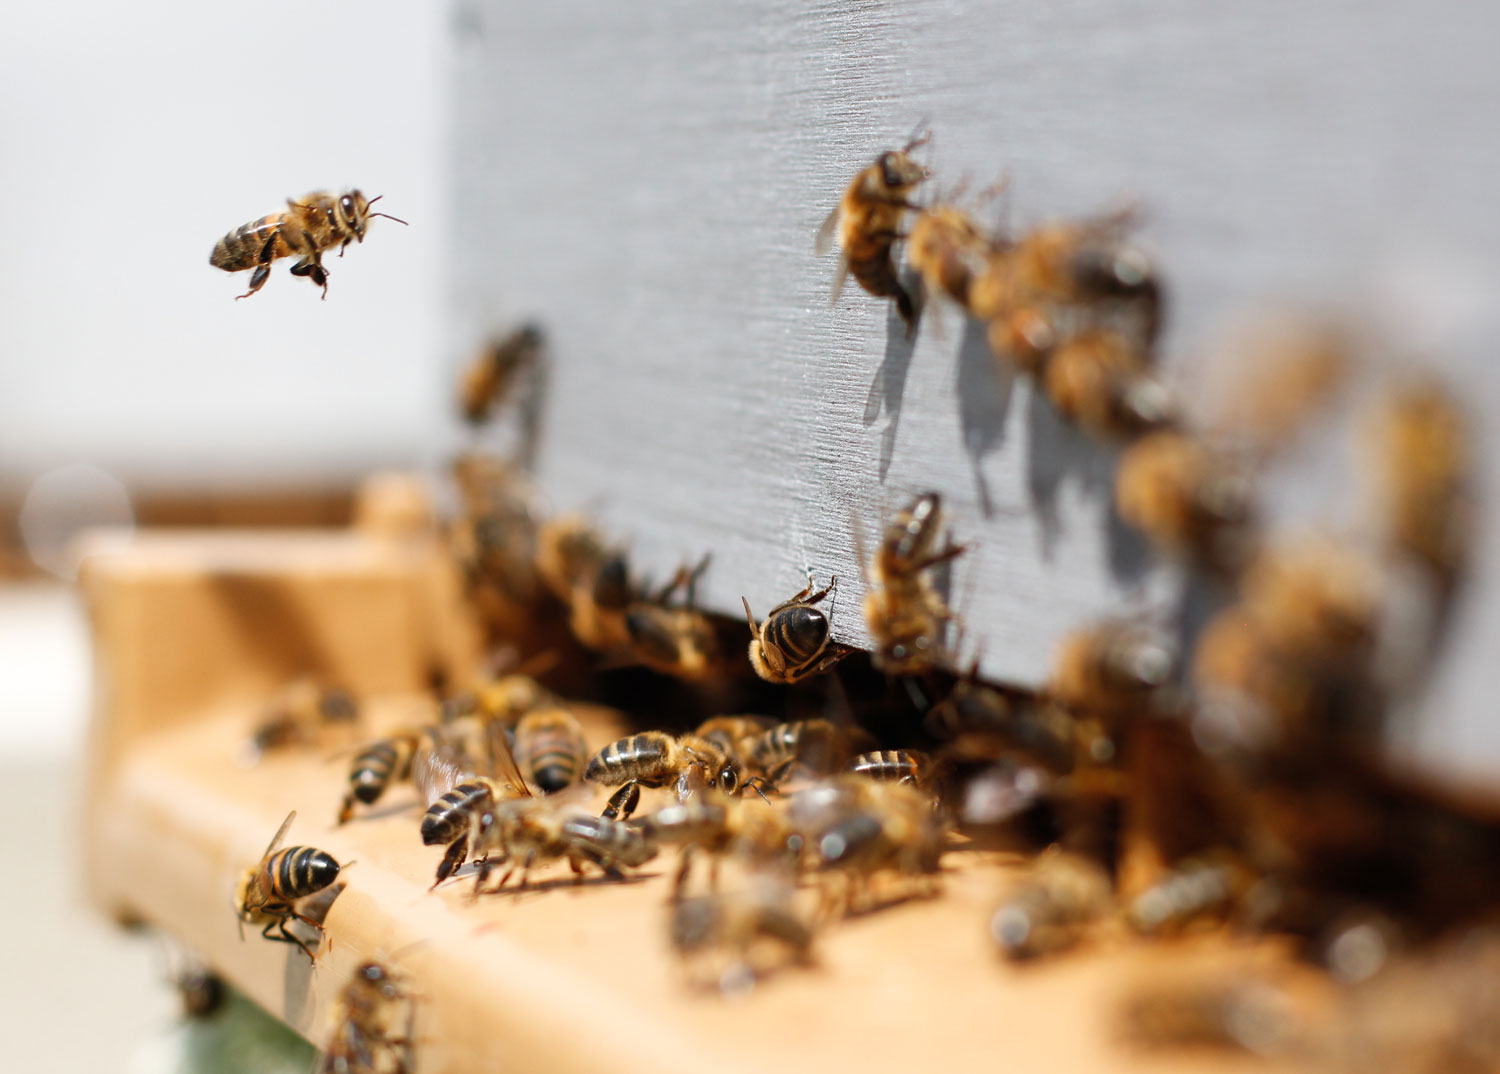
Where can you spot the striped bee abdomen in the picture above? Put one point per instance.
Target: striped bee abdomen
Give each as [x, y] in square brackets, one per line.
[448, 817]
[639, 757]
[299, 871]
[241, 248]
[892, 766]
[799, 632]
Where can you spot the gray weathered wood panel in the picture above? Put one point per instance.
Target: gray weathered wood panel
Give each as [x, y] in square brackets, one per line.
[647, 179]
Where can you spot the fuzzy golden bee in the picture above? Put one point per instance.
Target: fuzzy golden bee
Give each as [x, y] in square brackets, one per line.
[1112, 670]
[590, 577]
[1102, 382]
[730, 939]
[374, 1031]
[906, 614]
[795, 640]
[268, 892]
[1187, 497]
[949, 251]
[752, 831]
[735, 735]
[319, 222]
[497, 371]
[867, 225]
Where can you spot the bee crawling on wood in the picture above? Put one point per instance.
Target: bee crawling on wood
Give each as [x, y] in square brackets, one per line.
[867, 224]
[374, 1033]
[950, 251]
[656, 759]
[318, 222]
[268, 892]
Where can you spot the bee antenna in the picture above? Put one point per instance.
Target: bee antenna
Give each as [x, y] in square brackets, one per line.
[388, 216]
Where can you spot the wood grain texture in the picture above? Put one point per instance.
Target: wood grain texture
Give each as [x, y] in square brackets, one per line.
[647, 182]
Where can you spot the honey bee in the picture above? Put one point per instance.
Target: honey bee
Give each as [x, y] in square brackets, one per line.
[1249, 1015]
[867, 224]
[1208, 886]
[496, 370]
[1038, 291]
[949, 251]
[735, 735]
[655, 759]
[906, 614]
[794, 641]
[318, 222]
[380, 764]
[297, 716]
[679, 641]
[756, 928]
[524, 832]
[1103, 383]
[752, 831]
[858, 829]
[501, 701]
[817, 747]
[1053, 908]
[1187, 497]
[1112, 670]
[374, 1033]
[550, 748]
[589, 577]
[268, 892]
[896, 766]
[979, 722]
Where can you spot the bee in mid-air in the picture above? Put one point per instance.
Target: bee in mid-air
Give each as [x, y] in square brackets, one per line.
[867, 223]
[268, 892]
[655, 759]
[497, 371]
[905, 612]
[318, 222]
[374, 1033]
[794, 641]
[1187, 497]
[675, 639]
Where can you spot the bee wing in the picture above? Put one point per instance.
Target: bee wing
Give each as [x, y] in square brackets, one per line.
[839, 278]
[503, 764]
[823, 240]
[437, 770]
[280, 834]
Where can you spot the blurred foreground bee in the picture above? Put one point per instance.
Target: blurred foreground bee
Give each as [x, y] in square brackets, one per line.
[267, 892]
[817, 747]
[794, 641]
[655, 759]
[1103, 383]
[867, 223]
[735, 735]
[753, 832]
[318, 222]
[495, 372]
[744, 934]
[1060, 278]
[1112, 670]
[1062, 897]
[949, 251]
[906, 614]
[1187, 497]
[298, 715]
[589, 577]
[374, 1034]
[675, 640]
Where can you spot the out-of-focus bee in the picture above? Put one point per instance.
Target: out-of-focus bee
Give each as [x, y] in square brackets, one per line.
[1112, 670]
[906, 614]
[1420, 444]
[501, 701]
[1187, 497]
[794, 641]
[550, 748]
[1060, 278]
[949, 251]
[979, 722]
[1202, 888]
[374, 1032]
[1251, 1015]
[675, 640]
[494, 541]
[382, 763]
[590, 577]
[867, 224]
[896, 766]
[1103, 383]
[268, 892]
[524, 832]
[1062, 897]
[298, 715]
[655, 759]
[496, 371]
[817, 747]
[318, 222]
[754, 832]
[857, 829]
[744, 935]
[735, 735]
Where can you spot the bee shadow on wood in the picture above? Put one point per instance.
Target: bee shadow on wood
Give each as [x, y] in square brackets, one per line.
[888, 389]
[983, 387]
[297, 971]
[270, 623]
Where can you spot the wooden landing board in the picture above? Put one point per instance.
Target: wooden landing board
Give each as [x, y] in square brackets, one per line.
[569, 978]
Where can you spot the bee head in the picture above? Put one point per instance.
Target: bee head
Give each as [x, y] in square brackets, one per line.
[898, 171]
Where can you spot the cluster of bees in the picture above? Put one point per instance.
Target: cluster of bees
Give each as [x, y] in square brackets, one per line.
[1166, 777]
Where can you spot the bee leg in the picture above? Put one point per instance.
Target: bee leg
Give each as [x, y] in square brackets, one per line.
[312, 266]
[623, 802]
[755, 783]
[258, 280]
[684, 867]
[287, 937]
[453, 859]
[346, 811]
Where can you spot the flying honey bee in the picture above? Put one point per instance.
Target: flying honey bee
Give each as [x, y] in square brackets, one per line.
[496, 371]
[268, 892]
[589, 577]
[1187, 497]
[1112, 670]
[656, 759]
[1061, 899]
[794, 641]
[905, 612]
[374, 1032]
[550, 748]
[1102, 382]
[318, 222]
[949, 251]
[675, 640]
[1041, 289]
[867, 224]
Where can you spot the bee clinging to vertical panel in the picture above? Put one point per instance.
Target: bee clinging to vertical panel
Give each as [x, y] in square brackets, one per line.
[1188, 497]
[795, 640]
[674, 639]
[307, 228]
[867, 224]
[374, 1031]
[906, 614]
[268, 892]
[497, 371]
